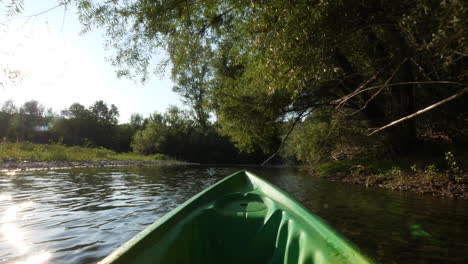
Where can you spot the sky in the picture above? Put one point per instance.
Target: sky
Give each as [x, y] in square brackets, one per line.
[59, 66]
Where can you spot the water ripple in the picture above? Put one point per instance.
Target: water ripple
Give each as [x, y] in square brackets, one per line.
[82, 215]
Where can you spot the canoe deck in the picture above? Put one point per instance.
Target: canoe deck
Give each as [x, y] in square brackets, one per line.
[241, 219]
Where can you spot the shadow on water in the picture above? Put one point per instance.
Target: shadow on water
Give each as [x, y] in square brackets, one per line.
[81, 215]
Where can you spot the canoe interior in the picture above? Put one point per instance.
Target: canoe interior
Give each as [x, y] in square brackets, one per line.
[241, 219]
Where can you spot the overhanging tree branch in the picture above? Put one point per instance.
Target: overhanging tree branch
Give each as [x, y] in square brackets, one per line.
[342, 101]
[296, 121]
[458, 94]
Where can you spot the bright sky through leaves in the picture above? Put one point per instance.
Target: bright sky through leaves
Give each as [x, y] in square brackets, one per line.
[58, 67]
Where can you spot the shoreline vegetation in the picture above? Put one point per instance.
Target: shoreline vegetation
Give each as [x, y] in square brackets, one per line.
[442, 177]
[31, 156]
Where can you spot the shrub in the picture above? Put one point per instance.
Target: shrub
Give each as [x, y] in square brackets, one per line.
[453, 171]
[431, 170]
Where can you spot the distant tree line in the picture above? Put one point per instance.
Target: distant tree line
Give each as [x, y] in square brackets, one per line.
[174, 133]
[96, 125]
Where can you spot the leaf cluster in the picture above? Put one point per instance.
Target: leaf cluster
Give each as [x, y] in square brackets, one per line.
[257, 65]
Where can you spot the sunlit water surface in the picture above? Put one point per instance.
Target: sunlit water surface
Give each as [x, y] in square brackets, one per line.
[82, 215]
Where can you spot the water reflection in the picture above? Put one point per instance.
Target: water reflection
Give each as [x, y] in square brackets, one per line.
[81, 215]
[36, 259]
[14, 236]
[5, 197]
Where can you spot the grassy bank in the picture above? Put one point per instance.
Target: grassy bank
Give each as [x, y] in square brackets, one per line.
[445, 175]
[59, 152]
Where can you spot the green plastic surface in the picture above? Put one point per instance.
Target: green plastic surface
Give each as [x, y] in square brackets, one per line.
[241, 219]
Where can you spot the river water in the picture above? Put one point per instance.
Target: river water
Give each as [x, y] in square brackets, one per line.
[82, 215]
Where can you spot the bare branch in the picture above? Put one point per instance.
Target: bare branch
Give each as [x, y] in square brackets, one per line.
[296, 121]
[459, 53]
[428, 82]
[395, 84]
[458, 94]
[421, 69]
[381, 89]
[345, 98]
[360, 89]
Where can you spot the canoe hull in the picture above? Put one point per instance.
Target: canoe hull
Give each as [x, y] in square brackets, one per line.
[241, 219]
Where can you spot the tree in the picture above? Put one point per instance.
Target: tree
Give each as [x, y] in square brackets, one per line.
[192, 77]
[262, 63]
[32, 108]
[9, 107]
[176, 133]
[95, 125]
[7, 114]
[77, 110]
[30, 121]
[104, 114]
[137, 121]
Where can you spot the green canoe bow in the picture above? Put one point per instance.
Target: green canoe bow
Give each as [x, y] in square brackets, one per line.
[240, 219]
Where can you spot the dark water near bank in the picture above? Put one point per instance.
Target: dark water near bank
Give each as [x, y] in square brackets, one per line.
[80, 216]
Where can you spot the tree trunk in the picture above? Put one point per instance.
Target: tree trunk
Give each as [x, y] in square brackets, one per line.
[403, 136]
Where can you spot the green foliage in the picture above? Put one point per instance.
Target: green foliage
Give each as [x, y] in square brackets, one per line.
[333, 168]
[146, 141]
[58, 152]
[137, 121]
[312, 141]
[78, 125]
[431, 171]
[191, 75]
[454, 169]
[338, 67]
[159, 156]
[176, 134]
[327, 135]
[94, 126]
[452, 163]
[12, 7]
[259, 65]
[395, 172]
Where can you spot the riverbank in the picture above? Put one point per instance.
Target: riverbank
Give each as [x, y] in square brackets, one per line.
[29, 156]
[15, 165]
[20, 151]
[416, 182]
[437, 180]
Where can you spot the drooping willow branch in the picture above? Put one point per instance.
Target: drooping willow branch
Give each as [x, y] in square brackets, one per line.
[36, 14]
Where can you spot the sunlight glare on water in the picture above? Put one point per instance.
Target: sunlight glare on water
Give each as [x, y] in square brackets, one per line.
[15, 236]
[5, 197]
[39, 258]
